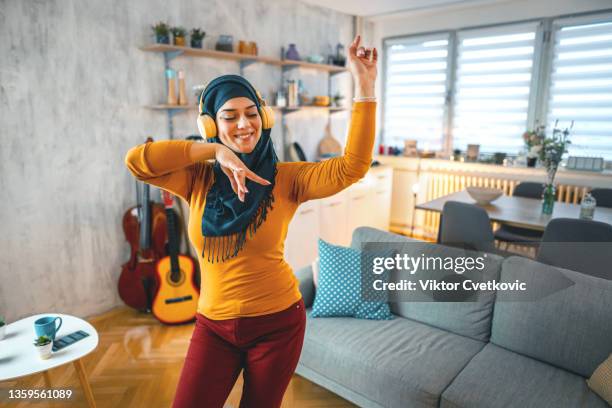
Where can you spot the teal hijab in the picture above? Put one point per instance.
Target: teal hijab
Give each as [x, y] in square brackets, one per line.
[227, 220]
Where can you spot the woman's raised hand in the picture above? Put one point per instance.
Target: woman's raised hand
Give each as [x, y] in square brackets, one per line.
[362, 64]
[236, 171]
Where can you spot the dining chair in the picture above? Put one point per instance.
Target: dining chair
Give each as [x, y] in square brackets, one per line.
[466, 226]
[513, 234]
[580, 245]
[603, 196]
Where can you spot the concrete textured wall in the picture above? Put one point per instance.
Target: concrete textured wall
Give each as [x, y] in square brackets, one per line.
[73, 84]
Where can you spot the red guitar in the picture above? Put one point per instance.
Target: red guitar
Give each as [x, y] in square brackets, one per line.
[145, 229]
[176, 300]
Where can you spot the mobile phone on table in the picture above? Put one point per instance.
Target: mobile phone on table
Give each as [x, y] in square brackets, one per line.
[68, 339]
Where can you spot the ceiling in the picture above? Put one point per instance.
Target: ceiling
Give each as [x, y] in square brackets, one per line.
[369, 8]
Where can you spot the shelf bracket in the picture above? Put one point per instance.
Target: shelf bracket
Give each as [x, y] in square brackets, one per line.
[245, 63]
[171, 113]
[169, 56]
[287, 67]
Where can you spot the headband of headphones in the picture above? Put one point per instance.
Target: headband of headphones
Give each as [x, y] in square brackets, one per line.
[225, 79]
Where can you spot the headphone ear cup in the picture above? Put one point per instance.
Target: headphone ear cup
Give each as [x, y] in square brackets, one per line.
[207, 126]
[267, 117]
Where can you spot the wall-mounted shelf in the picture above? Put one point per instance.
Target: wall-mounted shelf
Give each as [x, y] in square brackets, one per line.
[170, 52]
[281, 108]
[175, 50]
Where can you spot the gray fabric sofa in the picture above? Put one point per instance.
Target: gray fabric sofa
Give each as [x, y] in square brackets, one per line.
[487, 353]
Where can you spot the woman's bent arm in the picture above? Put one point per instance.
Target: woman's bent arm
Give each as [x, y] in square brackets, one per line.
[318, 180]
[170, 164]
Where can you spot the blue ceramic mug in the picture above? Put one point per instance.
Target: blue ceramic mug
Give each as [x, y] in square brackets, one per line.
[45, 326]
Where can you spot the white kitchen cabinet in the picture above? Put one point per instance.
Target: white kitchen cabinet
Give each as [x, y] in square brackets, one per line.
[301, 245]
[381, 208]
[360, 203]
[333, 219]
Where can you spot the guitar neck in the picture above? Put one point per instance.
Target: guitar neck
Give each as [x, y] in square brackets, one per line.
[145, 219]
[173, 241]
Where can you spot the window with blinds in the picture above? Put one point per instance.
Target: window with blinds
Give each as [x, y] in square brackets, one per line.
[415, 90]
[492, 90]
[581, 85]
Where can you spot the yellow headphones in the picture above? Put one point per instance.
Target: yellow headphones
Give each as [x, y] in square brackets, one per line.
[206, 123]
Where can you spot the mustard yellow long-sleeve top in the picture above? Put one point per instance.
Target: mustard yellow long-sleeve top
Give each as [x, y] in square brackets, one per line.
[258, 280]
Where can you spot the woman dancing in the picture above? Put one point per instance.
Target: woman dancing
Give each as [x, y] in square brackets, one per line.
[250, 313]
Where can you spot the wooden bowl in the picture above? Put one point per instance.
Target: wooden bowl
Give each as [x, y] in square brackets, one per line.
[484, 195]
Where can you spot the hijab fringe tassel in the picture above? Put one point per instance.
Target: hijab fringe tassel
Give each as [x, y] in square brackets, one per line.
[228, 246]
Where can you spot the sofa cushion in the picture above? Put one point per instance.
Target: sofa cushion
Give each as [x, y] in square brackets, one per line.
[470, 318]
[339, 291]
[501, 378]
[570, 328]
[395, 363]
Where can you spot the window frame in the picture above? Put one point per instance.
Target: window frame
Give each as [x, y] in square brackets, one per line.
[388, 42]
[539, 90]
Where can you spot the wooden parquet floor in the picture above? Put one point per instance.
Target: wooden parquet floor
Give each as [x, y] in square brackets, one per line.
[137, 364]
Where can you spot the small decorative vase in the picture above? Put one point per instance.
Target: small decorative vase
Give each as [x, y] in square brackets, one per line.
[179, 41]
[548, 199]
[225, 43]
[292, 53]
[45, 351]
[172, 97]
[531, 161]
[548, 195]
[196, 43]
[162, 39]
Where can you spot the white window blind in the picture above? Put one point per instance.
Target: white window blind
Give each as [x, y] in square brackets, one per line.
[415, 90]
[492, 89]
[581, 85]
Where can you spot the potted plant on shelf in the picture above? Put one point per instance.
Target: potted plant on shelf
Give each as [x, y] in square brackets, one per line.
[197, 36]
[43, 345]
[551, 153]
[2, 327]
[162, 33]
[178, 35]
[533, 142]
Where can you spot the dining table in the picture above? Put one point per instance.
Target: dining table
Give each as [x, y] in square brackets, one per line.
[519, 211]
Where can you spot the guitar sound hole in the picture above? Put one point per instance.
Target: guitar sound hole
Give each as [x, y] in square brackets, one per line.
[179, 282]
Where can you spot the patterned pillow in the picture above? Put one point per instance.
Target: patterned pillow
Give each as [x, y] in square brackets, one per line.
[339, 285]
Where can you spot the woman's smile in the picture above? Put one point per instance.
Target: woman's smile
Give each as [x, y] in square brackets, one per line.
[245, 136]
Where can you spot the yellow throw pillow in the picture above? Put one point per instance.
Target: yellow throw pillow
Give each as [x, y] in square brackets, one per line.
[601, 380]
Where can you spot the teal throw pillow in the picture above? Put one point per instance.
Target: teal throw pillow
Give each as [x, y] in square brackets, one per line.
[339, 292]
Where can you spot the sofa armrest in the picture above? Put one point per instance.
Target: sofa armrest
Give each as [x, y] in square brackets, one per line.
[307, 288]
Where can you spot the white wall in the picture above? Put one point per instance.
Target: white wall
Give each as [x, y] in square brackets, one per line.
[73, 87]
[461, 16]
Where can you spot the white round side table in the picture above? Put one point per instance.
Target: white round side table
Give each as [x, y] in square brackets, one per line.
[19, 357]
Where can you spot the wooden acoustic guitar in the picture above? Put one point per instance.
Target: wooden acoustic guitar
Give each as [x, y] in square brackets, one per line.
[176, 300]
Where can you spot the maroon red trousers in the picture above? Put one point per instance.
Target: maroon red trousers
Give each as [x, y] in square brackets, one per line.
[266, 347]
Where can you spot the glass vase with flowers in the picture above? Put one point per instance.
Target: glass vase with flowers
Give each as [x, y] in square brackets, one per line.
[553, 149]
